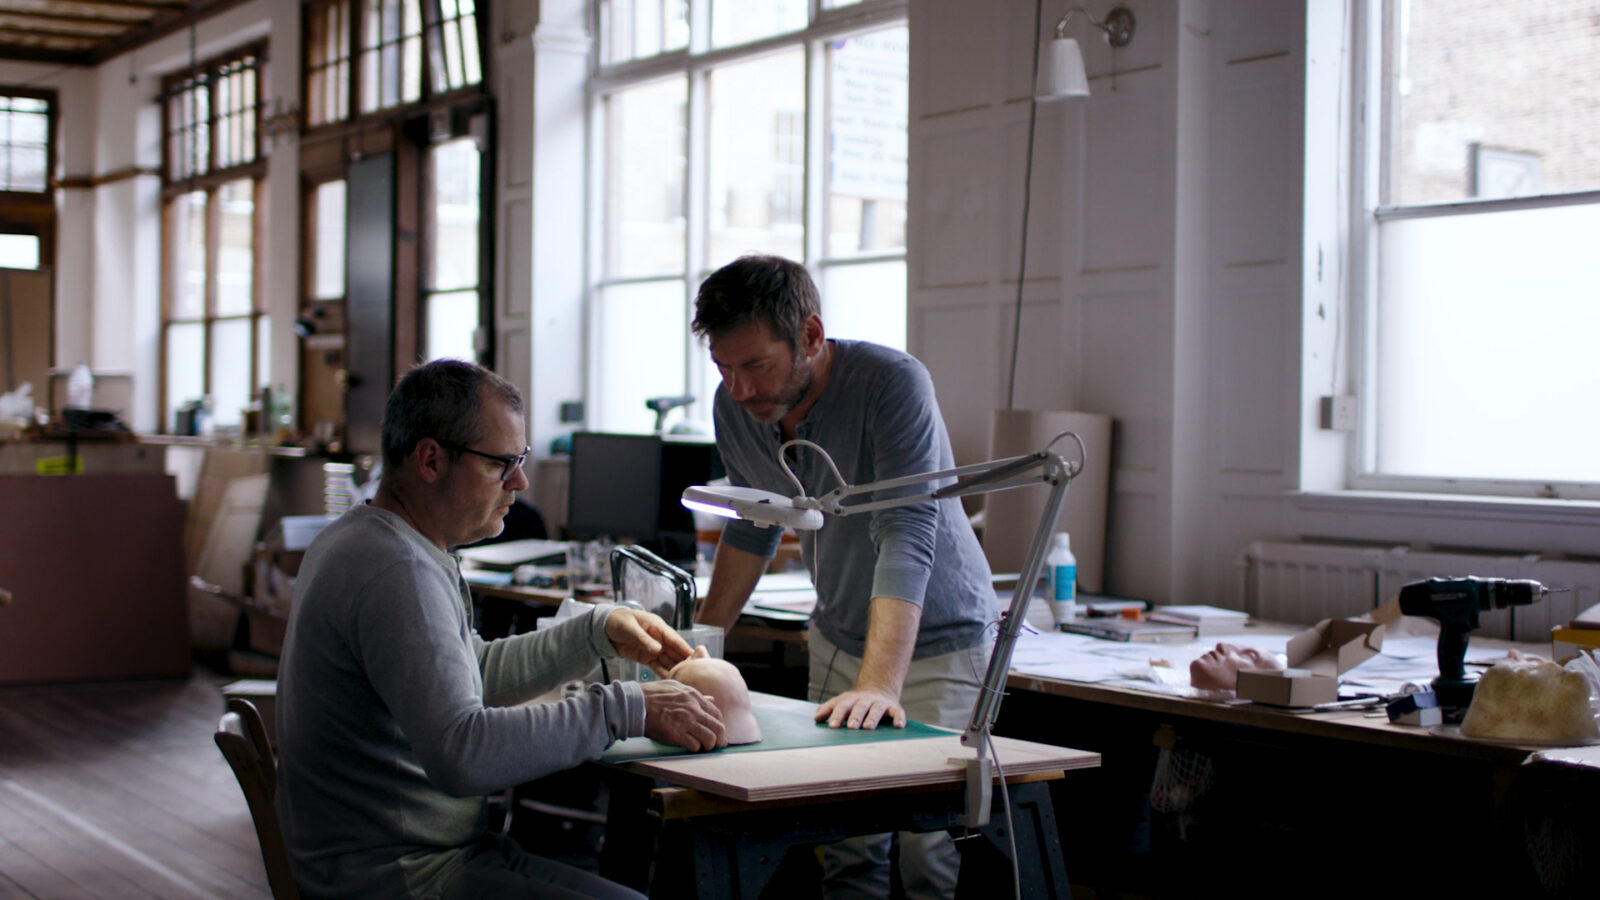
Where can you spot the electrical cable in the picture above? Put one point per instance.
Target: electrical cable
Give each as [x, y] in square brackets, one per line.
[1011, 828]
[1027, 197]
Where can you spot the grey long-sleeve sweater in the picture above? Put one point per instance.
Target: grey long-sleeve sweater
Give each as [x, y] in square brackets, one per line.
[394, 719]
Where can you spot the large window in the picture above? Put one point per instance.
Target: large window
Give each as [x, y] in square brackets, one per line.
[27, 167]
[1481, 210]
[372, 55]
[771, 132]
[214, 326]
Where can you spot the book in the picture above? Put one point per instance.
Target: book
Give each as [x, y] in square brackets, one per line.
[1138, 630]
[1205, 619]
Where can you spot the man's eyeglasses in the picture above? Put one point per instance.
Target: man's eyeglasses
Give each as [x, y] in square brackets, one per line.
[510, 463]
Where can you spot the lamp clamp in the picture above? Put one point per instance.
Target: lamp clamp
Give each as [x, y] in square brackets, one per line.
[1118, 24]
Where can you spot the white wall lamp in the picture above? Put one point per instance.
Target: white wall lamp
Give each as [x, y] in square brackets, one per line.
[1061, 71]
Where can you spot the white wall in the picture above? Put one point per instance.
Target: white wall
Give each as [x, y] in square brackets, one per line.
[1170, 281]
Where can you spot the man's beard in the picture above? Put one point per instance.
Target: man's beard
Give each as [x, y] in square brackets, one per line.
[789, 395]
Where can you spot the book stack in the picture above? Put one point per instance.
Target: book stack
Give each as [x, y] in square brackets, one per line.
[1205, 620]
[1134, 630]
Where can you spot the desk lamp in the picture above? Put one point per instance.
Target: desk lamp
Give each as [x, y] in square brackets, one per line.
[805, 512]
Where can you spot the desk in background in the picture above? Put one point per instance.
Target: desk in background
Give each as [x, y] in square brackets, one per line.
[1195, 794]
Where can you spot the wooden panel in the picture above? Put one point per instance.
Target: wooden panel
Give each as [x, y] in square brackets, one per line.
[823, 771]
[94, 563]
[27, 334]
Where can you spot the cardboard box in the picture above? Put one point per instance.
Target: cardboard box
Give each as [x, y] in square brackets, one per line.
[275, 564]
[1317, 656]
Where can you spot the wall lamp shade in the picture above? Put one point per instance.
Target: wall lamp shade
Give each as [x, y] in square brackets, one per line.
[758, 506]
[1061, 73]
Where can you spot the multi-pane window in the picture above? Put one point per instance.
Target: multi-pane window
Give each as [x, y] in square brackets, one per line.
[450, 294]
[25, 131]
[721, 143]
[27, 168]
[215, 331]
[327, 59]
[387, 53]
[1481, 215]
[452, 38]
[214, 327]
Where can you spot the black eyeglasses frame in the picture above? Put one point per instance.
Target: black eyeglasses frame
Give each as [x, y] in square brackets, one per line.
[510, 463]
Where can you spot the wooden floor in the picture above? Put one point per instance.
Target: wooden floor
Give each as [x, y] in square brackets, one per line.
[117, 791]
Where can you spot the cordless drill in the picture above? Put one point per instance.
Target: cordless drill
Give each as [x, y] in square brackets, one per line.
[1455, 603]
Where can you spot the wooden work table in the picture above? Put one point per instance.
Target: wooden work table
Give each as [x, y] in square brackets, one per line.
[723, 821]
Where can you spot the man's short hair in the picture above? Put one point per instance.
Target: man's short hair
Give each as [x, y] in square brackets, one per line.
[443, 400]
[757, 288]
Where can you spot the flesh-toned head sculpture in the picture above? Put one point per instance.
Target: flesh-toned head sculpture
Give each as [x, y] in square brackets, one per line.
[720, 680]
[1218, 668]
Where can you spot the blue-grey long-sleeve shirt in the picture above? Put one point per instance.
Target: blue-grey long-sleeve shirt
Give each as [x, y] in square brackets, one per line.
[878, 418]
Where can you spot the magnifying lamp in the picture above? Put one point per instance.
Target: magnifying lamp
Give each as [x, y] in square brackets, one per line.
[807, 513]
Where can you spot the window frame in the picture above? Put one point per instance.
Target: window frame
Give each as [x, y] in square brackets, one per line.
[211, 182]
[1372, 123]
[433, 22]
[695, 63]
[34, 212]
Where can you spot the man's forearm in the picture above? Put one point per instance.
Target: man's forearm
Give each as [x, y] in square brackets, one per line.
[733, 576]
[891, 636]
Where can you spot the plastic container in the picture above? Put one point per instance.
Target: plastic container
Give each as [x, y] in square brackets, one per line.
[1062, 569]
[80, 387]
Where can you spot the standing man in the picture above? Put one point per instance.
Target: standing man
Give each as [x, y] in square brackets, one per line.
[893, 635]
[395, 719]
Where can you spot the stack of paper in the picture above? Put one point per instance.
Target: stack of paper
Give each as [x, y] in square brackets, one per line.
[1205, 619]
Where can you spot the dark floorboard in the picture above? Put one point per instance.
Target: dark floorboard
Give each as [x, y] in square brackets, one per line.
[117, 791]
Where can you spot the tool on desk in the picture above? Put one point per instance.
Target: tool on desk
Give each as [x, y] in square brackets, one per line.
[1351, 703]
[1455, 603]
[663, 405]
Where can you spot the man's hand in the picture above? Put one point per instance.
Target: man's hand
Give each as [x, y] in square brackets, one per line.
[677, 714]
[646, 638]
[862, 709]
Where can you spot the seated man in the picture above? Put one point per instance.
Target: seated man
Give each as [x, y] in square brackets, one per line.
[1218, 668]
[395, 720]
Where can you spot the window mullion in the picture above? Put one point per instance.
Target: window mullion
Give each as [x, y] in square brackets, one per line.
[815, 212]
[697, 200]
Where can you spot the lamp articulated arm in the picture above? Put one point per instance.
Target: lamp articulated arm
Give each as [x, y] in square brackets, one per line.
[804, 511]
[1044, 466]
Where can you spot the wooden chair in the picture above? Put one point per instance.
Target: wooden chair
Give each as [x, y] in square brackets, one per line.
[242, 738]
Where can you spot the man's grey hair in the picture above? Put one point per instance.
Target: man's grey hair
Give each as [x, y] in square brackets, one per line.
[442, 400]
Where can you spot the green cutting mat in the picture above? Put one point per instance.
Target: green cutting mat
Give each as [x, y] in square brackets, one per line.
[781, 729]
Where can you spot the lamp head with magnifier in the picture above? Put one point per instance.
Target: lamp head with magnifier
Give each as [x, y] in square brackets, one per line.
[754, 505]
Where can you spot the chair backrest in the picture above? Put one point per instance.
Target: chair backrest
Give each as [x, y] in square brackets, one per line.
[242, 738]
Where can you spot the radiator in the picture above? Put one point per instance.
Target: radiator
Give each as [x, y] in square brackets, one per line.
[1301, 582]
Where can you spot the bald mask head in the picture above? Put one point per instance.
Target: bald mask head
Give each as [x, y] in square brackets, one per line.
[720, 680]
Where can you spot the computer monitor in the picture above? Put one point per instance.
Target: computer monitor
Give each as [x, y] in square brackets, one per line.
[626, 487]
[685, 461]
[614, 486]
